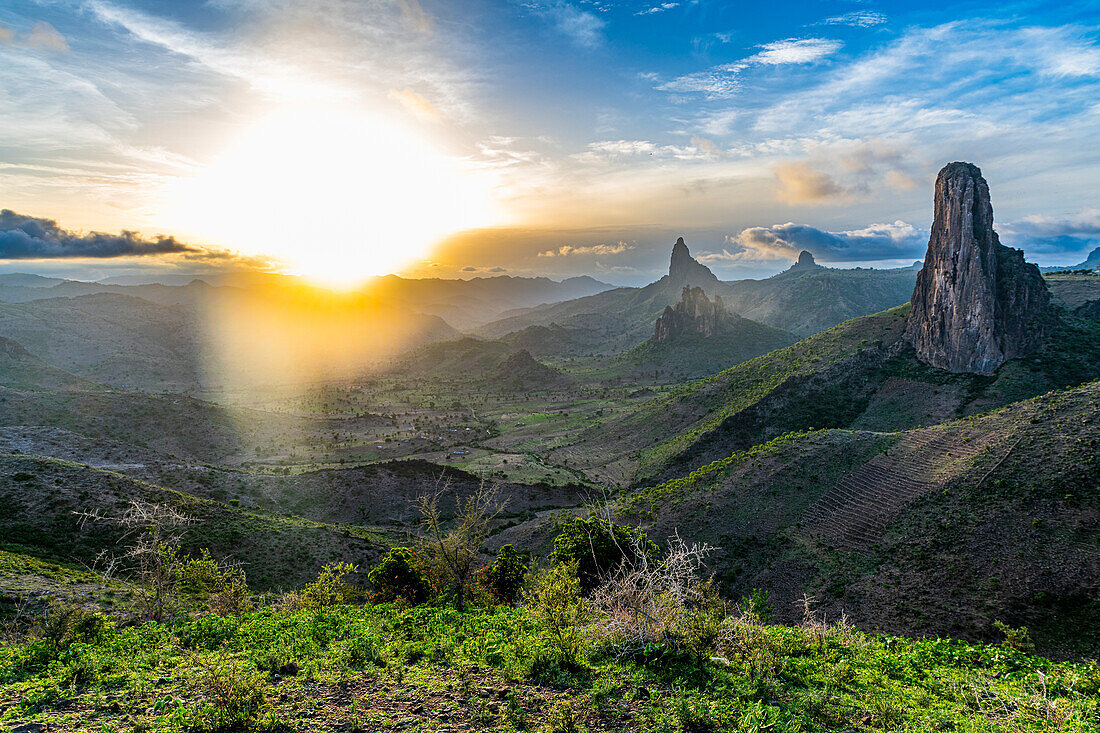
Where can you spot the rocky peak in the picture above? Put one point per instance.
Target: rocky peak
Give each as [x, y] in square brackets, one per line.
[976, 302]
[693, 314]
[805, 262]
[683, 269]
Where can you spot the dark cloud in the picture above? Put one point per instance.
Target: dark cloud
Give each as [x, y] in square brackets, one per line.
[497, 269]
[468, 268]
[1070, 235]
[784, 241]
[31, 238]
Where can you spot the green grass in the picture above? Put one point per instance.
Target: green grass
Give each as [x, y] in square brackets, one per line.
[383, 668]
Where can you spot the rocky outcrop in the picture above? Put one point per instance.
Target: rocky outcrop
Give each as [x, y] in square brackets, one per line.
[805, 262]
[684, 269]
[693, 314]
[976, 302]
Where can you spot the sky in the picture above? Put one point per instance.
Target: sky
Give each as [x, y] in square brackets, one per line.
[346, 138]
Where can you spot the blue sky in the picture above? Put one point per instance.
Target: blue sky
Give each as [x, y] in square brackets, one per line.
[570, 137]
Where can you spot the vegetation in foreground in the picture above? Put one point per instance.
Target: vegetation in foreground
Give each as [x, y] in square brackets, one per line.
[615, 635]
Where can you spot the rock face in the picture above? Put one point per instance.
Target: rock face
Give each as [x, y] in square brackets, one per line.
[693, 314]
[976, 303]
[805, 261]
[683, 269]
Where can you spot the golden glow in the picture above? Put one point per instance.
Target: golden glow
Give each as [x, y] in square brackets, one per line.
[339, 195]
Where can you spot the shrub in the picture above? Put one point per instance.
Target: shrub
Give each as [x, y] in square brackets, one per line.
[223, 589]
[399, 577]
[234, 693]
[452, 552]
[757, 604]
[330, 588]
[555, 600]
[598, 547]
[65, 624]
[505, 576]
[653, 606]
[1015, 638]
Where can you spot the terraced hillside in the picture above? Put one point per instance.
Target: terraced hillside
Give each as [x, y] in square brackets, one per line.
[941, 530]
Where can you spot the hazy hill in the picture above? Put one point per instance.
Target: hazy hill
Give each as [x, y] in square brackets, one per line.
[521, 372]
[804, 300]
[808, 298]
[22, 370]
[40, 499]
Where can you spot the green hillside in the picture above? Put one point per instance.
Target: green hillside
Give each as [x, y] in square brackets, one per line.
[41, 498]
[937, 531]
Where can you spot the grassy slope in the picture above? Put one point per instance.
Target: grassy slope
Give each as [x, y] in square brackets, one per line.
[1014, 539]
[385, 669]
[662, 429]
[39, 499]
[692, 355]
[805, 302]
[851, 374]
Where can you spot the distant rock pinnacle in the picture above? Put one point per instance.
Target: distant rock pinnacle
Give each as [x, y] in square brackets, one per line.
[683, 269]
[693, 314]
[805, 261]
[976, 302]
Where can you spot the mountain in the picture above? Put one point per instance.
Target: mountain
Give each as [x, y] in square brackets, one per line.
[863, 373]
[805, 299]
[808, 298]
[684, 270]
[976, 302]
[19, 369]
[521, 372]
[1092, 262]
[697, 337]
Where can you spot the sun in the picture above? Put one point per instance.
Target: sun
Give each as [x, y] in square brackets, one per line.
[338, 195]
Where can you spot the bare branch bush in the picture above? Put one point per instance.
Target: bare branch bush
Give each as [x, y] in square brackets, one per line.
[649, 604]
[452, 549]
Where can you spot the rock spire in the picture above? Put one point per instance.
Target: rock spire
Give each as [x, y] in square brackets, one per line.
[976, 302]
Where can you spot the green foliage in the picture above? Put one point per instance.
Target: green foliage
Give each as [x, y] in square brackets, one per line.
[330, 588]
[757, 604]
[556, 602]
[597, 547]
[398, 576]
[235, 694]
[65, 624]
[223, 589]
[1015, 638]
[505, 576]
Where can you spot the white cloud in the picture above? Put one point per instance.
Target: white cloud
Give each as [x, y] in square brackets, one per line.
[658, 9]
[796, 51]
[719, 82]
[595, 250]
[858, 18]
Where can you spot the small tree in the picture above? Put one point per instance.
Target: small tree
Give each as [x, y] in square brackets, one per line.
[330, 588]
[557, 603]
[399, 577]
[505, 576]
[152, 557]
[453, 548]
[599, 546]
